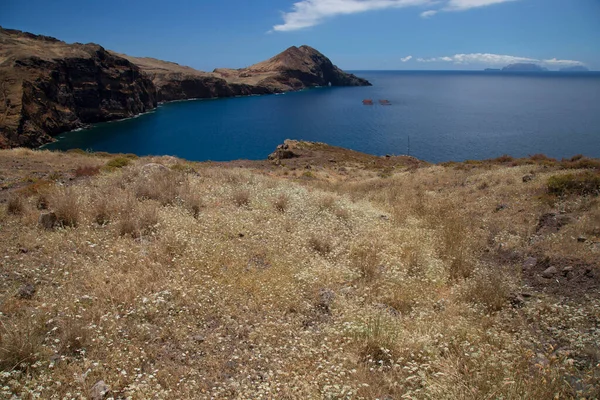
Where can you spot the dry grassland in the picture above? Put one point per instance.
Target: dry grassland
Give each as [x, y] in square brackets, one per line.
[167, 279]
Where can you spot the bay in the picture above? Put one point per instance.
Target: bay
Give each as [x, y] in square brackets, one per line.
[444, 115]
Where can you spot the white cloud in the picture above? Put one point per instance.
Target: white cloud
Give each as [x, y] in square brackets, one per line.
[407, 58]
[429, 13]
[498, 60]
[459, 5]
[561, 63]
[307, 13]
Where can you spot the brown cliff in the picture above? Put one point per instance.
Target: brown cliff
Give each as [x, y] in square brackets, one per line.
[48, 86]
[178, 82]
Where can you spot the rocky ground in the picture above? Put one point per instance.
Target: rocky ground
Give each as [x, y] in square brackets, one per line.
[320, 273]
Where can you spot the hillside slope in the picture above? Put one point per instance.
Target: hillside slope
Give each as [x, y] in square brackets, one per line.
[320, 274]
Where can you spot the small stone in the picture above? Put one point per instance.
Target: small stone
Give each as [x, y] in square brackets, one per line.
[199, 338]
[348, 290]
[549, 272]
[26, 291]
[566, 271]
[99, 391]
[326, 297]
[582, 239]
[23, 250]
[528, 178]
[517, 301]
[529, 263]
[153, 168]
[48, 220]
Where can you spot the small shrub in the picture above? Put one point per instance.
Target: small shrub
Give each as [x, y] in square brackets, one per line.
[585, 183]
[55, 176]
[308, 174]
[15, 205]
[281, 202]
[73, 337]
[241, 198]
[403, 298]
[78, 151]
[378, 339]
[365, 258]
[488, 288]
[503, 159]
[37, 188]
[118, 162]
[162, 186]
[192, 200]
[342, 213]
[542, 158]
[327, 203]
[102, 154]
[87, 170]
[456, 252]
[185, 168]
[20, 345]
[137, 221]
[582, 163]
[64, 203]
[320, 244]
[101, 211]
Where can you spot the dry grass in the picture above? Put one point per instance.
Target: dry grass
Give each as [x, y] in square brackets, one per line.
[281, 203]
[87, 170]
[365, 259]
[320, 244]
[20, 343]
[64, 203]
[15, 205]
[241, 198]
[167, 284]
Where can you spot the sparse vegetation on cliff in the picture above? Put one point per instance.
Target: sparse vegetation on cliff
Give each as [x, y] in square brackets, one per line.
[214, 281]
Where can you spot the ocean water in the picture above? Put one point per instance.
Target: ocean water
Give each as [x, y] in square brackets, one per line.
[443, 115]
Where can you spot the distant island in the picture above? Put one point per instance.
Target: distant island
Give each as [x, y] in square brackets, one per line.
[576, 68]
[530, 67]
[524, 67]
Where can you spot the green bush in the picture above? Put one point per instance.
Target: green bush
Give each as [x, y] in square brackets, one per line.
[118, 162]
[585, 183]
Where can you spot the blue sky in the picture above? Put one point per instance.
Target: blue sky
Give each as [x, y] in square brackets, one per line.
[355, 34]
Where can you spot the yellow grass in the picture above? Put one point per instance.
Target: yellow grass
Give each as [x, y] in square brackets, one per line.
[231, 283]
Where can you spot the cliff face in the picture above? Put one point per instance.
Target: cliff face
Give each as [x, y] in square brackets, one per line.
[177, 82]
[49, 87]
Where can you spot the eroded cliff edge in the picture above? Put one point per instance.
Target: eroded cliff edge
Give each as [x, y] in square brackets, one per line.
[48, 86]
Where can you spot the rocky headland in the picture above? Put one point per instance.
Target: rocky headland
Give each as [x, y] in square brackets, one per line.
[48, 86]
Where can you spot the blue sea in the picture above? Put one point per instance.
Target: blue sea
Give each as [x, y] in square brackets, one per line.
[443, 115]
